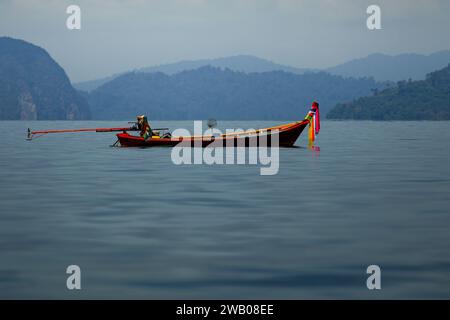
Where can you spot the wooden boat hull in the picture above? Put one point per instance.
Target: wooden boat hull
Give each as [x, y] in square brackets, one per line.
[287, 135]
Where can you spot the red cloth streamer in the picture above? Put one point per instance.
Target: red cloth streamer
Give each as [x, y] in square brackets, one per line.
[315, 107]
[317, 121]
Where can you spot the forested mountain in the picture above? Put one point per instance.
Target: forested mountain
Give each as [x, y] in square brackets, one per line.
[33, 86]
[243, 63]
[384, 67]
[409, 100]
[381, 67]
[222, 94]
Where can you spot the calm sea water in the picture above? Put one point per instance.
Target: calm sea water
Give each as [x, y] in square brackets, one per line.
[141, 227]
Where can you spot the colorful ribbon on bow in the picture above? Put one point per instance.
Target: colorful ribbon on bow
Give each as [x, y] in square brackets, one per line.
[314, 122]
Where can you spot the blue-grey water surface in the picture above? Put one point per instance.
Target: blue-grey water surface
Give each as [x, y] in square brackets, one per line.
[141, 227]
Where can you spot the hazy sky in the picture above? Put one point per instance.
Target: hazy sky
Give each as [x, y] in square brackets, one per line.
[119, 35]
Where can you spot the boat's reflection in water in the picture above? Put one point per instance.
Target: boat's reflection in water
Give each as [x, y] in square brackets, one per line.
[315, 149]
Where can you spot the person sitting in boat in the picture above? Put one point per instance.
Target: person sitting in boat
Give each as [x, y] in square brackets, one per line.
[144, 127]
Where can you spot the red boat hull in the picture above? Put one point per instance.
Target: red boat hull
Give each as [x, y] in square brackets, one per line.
[287, 135]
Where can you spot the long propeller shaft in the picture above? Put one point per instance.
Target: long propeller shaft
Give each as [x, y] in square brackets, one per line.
[42, 132]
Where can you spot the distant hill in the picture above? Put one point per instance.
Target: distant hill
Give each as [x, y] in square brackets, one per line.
[210, 92]
[410, 100]
[243, 63]
[34, 87]
[384, 67]
[90, 85]
[381, 67]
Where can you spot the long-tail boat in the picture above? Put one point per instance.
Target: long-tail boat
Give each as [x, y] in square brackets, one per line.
[285, 134]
